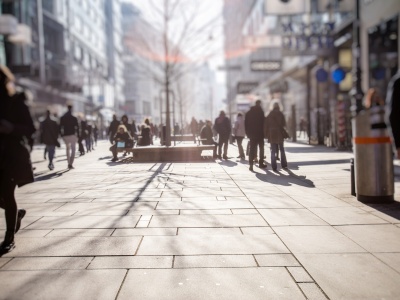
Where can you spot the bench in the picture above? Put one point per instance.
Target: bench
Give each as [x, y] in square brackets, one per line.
[168, 154]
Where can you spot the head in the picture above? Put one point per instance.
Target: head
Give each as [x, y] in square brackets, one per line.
[121, 129]
[48, 113]
[147, 122]
[7, 81]
[222, 113]
[275, 105]
[124, 119]
[239, 115]
[114, 117]
[258, 103]
[208, 123]
[69, 106]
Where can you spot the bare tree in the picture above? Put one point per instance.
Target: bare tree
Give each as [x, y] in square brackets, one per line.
[180, 43]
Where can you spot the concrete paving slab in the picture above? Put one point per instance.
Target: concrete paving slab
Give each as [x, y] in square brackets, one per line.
[214, 261]
[276, 260]
[323, 200]
[312, 291]
[48, 263]
[390, 259]
[275, 202]
[391, 216]
[102, 212]
[208, 283]
[286, 216]
[257, 230]
[346, 216]
[374, 238]
[190, 204]
[132, 262]
[299, 274]
[214, 244]
[85, 222]
[144, 231]
[113, 205]
[249, 211]
[362, 276]
[72, 284]
[207, 221]
[316, 239]
[209, 231]
[32, 233]
[80, 232]
[153, 212]
[26, 222]
[205, 212]
[3, 261]
[74, 246]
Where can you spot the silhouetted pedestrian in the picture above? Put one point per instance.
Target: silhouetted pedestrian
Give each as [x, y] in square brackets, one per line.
[69, 129]
[112, 130]
[49, 136]
[393, 111]
[207, 137]
[222, 126]
[239, 132]
[16, 130]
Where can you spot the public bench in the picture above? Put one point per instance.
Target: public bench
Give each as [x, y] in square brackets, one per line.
[167, 154]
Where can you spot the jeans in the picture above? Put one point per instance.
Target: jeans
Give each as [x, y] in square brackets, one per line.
[70, 141]
[51, 149]
[223, 141]
[239, 140]
[274, 150]
[253, 150]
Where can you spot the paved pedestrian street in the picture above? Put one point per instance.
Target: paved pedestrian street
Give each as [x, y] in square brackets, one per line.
[203, 230]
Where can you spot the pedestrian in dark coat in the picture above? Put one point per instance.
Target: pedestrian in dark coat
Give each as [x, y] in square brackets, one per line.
[69, 130]
[275, 124]
[16, 130]
[393, 111]
[222, 126]
[207, 136]
[49, 137]
[112, 130]
[254, 125]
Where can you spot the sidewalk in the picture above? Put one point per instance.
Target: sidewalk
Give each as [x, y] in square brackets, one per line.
[201, 231]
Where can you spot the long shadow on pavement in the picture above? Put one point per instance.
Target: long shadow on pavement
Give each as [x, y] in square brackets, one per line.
[390, 209]
[280, 178]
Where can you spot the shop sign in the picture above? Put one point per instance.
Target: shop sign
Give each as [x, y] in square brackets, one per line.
[265, 65]
[246, 87]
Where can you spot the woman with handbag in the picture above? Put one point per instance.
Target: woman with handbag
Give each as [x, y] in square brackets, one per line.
[16, 130]
[275, 132]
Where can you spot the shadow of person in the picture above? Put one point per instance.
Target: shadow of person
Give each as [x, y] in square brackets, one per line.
[45, 176]
[285, 177]
[228, 163]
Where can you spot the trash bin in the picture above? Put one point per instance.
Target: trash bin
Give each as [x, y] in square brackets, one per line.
[373, 157]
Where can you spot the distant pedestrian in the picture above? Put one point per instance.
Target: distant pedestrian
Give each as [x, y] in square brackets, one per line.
[222, 126]
[194, 127]
[69, 130]
[49, 136]
[275, 132]
[16, 130]
[145, 134]
[239, 133]
[95, 134]
[303, 127]
[112, 130]
[254, 124]
[82, 137]
[393, 111]
[207, 137]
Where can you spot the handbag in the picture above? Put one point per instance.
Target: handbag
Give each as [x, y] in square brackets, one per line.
[120, 144]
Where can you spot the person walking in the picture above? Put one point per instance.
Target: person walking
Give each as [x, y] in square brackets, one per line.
[112, 130]
[194, 128]
[393, 111]
[303, 127]
[254, 126]
[16, 130]
[239, 132]
[49, 136]
[222, 126]
[274, 130]
[207, 137]
[69, 130]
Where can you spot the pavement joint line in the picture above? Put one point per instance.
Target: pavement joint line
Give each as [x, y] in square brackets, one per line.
[90, 263]
[122, 284]
[254, 257]
[140, 243]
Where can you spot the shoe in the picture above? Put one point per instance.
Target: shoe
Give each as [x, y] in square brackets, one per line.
[8, 244]
[262, 166]
[278, 158]
[114, 159]
[70, 167]
[51, 167]
[124, 154]
[225, 157]
[251, 168]
[275, 170]
[21, 213]
[219, 157]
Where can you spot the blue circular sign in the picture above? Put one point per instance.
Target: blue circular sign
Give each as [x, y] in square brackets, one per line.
[321, 74]
[338, 74]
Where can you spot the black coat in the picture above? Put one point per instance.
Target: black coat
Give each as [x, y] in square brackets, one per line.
[393, 108]
[49, 132]
[254, 123]
[69, 125]
[207, 134]
[113, 127]
[222, 126]
[275, 124]
[15, 147]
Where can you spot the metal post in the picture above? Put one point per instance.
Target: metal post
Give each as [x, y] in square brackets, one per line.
[352, 178]
[42, 63]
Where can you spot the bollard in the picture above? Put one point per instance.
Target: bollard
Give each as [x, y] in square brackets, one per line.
[353, 179]
[373, 158]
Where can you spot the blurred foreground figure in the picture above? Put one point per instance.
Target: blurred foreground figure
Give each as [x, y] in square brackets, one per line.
[16, 130]
[393, 110]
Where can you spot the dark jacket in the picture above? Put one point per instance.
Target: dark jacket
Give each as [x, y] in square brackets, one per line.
[124, 137]
[113, 127]
[49, 132]
[222, 126]
[393, 108]
[146, 136]
[69, 125]
[254, 123]
[274, 126]
[207, 134]
[15, 147]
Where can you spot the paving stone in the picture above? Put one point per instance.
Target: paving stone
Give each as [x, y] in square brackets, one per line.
[362, 276]
[132, 262]
[208, 283]
[276, 260]
[391, 216]
[374, 238]
[205, 212]
[257, 230]
[299, 274]
[209, 231]
[390, 259]
[26, 222]
[144, 231]
[74, 246]
[207, 221]
[88, 232]
[275, 202]
[189, 204]
[85, 222]
[3, 261]
[316, 239]
[33, 233]
[48, 263]
[116, 205]
[346, 215]
[286, 216]
[250, 211]
[87, 284]
[214, 244]
[312, 291]
[322, 200]
[214, 261]
[102, 212]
